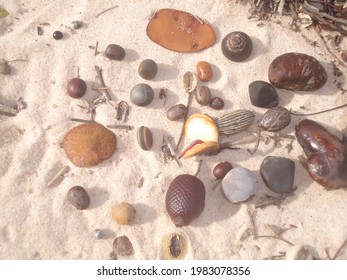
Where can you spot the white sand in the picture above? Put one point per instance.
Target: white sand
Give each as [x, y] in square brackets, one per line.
[37, 222]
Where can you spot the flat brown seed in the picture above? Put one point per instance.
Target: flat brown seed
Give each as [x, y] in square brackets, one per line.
[144, 138]
[180, 31]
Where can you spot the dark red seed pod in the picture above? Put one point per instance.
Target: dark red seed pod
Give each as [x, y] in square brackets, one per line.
[297, 71]
[221, 169]
[185, 199]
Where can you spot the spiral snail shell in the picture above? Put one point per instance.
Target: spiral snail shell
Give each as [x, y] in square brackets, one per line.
[237, 46]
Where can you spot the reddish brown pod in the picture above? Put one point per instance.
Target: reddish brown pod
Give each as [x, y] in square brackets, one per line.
[185, 199]
[326, 155]
[180, 31]
[297, 71]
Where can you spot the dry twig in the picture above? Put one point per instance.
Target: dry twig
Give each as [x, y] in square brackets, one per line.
[109, 9]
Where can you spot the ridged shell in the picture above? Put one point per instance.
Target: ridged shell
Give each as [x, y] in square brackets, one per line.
[237, 46]
[275, 119]
[185, 199]
[189, 81]
[297, 71]
[234, 122]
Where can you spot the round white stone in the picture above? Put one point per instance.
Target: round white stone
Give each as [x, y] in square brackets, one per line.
[239, 184]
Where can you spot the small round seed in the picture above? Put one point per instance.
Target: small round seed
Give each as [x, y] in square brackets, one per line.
[141, 94]
[114, 52]
[148, 69]
[76, 88]
[123, 213]
[57, 35]
[78, 197]
[217, 103]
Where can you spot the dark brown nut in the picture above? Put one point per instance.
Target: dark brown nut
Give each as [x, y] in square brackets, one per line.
[217, 103]
[204, 71]
[203, 95]
[145, 138]
[237, 46]
[76, 88]
[221, 169]
[185, 199]
[78, 197]
[275, 119]
[114, 52]
[148, 69]
[176, 112]
[297, 71]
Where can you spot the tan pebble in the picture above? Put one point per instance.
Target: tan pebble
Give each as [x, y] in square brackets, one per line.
[123, 213]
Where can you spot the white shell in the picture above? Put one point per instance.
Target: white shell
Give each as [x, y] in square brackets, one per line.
[239, 184]
[299, 252]
[201, 127]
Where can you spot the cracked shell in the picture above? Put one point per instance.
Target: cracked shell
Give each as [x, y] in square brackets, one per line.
[185, 199]
[174, 246]
[89, 144]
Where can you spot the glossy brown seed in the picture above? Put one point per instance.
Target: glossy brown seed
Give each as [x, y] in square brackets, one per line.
[237, 46]
[148, 69]
[89, 144]
[326, 154]
[297, 71]
[203, 95]
[221, 169]
[180, 31]
[122, 246]
[275, 119]
[204, 71]
[114, 52]
[176, 112]
[145, 138]
[185, 199]
[76, 88]
[217, 103]
[78, 197]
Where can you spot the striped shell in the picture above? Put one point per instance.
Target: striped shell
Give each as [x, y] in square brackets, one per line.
[275, 119]
[185, 199]
[234, 122]
[237, 46]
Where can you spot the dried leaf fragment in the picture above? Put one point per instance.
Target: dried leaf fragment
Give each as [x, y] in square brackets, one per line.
[180, 31]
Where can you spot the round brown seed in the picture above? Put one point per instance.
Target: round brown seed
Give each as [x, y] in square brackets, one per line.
[123, 213]
[217, 103]
[148, 69]
[76, 88]
[78, 197]
[203, 95]
[221, 169]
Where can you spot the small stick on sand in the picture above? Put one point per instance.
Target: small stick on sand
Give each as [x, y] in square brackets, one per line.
[96, 48]
[61, 172]
[81, 120]
[199, 167]
[276, 237]
[327, 253]
[184, 121]
[101, 79]
[255, 234]
[109, 9]
[140, 184]
[8, 114]
[339, 249]
[127, 127]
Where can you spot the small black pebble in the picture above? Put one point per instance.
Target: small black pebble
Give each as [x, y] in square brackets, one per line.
[263, 94]
[57, 35]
